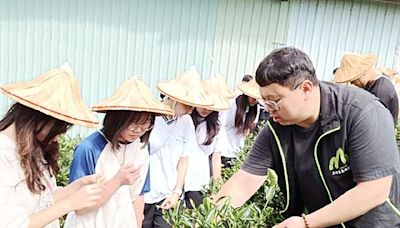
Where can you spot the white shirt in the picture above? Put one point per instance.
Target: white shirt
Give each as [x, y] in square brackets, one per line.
[198, 175]
[235, 139]
[17, 202]
[168, 143]
[118, 211]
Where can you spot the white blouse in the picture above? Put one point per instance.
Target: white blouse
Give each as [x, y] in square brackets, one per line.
[118, 211]
[198, 175]
[17, 202]
[168, 143]
[235, 139]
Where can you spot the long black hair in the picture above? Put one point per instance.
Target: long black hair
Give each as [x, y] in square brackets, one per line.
[243, 105]
[212, 123]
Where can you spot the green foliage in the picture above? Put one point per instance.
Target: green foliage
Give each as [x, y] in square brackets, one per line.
[261, 210]
[207, 215]
[67, 145]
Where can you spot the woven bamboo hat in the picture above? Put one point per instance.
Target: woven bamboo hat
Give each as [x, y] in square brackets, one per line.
[186, 88]
[221, 84]
[133, 95]
[250, 88]
[54, 93]
[213, 90]
[353, 66]
[387, 71]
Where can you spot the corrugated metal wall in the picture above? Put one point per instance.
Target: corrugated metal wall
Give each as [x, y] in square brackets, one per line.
[325, 29]
[246, 32]
[107, 41]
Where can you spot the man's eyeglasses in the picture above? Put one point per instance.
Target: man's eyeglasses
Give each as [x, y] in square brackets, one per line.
[274, 105]
[141, 127]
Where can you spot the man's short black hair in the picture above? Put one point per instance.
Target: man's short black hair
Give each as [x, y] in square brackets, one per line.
[287, 67]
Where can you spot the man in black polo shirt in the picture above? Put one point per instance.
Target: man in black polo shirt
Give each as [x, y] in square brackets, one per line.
[359, 70]
[332, 147]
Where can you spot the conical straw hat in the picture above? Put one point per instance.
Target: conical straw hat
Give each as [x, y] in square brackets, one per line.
[186, 89]
[396, 80]
[223, 87]
[213, 90]
[387, 71]
[353, 66]
[250, 88]
[54, 93]
[133, 95]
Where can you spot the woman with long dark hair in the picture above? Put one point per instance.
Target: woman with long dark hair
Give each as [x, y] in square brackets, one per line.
[241, 118]
[45, 108]
[205, 160]
[119, 152]
[171, 141]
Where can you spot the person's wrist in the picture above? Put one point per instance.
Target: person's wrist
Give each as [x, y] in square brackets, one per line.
[118, 180]
[76, 185]
[307, 225]
[177, 191]
[68, 204]
[63, 206]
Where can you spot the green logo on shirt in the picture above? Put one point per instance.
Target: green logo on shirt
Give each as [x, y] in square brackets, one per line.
[338, 164]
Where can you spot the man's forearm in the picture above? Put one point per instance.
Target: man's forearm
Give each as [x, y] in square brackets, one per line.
[240, 187]
[352, 204]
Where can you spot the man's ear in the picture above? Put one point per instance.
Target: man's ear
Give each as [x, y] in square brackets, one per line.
[307, 86]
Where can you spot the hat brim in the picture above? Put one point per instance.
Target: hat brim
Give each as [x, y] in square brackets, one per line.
[173, 96]
[50, 112]
[216, 109]
[251, 95]
[251, 89]
[157, 112]
[220, 106]
[341, 77]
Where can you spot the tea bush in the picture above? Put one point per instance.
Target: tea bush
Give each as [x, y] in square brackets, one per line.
[261, 210]
[67, 145]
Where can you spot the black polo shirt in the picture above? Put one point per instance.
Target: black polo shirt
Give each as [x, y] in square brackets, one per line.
[385, 91]
[352, 141]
